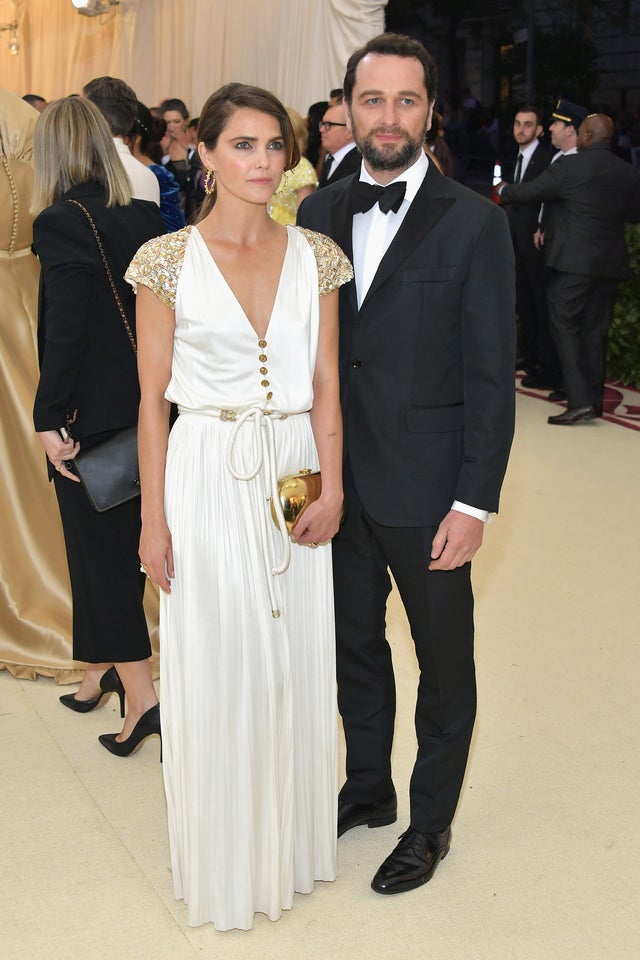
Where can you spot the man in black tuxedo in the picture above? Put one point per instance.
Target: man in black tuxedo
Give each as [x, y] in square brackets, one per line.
[594, 194]
[342, 157]
[535, 346]
[427, 352]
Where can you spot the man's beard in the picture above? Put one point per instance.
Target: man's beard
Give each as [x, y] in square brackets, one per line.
[393, 157]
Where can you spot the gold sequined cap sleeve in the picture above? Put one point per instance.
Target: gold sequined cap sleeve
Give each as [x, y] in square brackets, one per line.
[158, 263]
[334, 267]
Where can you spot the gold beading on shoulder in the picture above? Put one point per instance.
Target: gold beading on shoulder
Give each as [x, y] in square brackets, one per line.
[158, 263]
[334, 267]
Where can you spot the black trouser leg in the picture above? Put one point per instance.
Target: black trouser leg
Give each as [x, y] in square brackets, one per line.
[439, 607]
[366, 687]
[568, 296]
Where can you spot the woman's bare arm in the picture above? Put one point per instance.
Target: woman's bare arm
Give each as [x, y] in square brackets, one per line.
[321, 520]
[155, 324]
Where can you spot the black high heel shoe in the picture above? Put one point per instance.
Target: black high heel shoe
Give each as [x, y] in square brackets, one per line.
[147, 725]
[110, 682]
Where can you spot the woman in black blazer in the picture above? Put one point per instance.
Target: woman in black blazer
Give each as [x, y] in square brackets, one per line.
[88, 388]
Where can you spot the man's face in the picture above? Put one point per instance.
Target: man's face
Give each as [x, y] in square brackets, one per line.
[563, 135]
[390, 113]
[526, 128]
[334, 131]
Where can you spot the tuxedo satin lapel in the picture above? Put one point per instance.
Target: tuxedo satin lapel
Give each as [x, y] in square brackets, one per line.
[423, 214]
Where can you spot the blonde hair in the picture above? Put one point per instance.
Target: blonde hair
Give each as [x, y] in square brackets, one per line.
[300, 130]
[72, 144]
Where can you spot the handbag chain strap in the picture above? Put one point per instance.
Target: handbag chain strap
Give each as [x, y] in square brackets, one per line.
[132, 339]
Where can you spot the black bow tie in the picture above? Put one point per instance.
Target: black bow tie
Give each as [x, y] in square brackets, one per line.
[365, 195]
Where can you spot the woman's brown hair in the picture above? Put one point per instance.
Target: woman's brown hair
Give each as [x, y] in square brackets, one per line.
[218, 110]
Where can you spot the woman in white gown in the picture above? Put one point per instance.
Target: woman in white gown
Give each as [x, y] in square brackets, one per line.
[237, 325]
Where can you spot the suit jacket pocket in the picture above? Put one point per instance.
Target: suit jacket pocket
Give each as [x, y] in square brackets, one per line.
[428, 274]
[436, 419]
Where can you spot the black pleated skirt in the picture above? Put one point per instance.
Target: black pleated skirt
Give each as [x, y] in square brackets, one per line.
[107, 587]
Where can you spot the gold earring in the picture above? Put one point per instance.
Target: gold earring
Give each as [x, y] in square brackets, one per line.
[209, 182]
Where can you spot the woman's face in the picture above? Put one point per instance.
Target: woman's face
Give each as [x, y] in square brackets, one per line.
[249, 157]
[176, 124]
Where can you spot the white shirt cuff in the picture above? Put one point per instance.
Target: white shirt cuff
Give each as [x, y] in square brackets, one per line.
[483, 515]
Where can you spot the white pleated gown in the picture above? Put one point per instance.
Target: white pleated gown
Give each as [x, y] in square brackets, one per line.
[248, 699]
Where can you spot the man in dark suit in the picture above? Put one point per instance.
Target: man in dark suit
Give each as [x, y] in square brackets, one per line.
[535, 346]
[594, 194]
[342, 157]
[563, 129]
[427, 352]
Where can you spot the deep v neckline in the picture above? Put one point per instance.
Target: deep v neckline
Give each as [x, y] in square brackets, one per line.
[232, 292]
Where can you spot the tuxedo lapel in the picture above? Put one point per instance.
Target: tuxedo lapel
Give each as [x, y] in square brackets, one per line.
[422, 216]
[341, 220]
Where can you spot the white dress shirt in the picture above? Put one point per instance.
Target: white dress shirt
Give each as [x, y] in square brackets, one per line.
[144, 183]
[527, 152]
[372, 234]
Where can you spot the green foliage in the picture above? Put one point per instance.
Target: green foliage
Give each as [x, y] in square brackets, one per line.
[623, 360]
[564, 66]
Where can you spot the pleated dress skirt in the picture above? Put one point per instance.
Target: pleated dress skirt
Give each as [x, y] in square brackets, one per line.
[249, 719]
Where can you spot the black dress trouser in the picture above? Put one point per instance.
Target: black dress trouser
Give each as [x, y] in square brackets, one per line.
[439, 607]
[581, 310]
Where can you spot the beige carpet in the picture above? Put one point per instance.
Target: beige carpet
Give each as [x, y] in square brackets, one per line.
[546, 852]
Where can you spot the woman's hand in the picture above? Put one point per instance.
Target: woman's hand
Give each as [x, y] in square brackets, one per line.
[156, 554]
[319, 523]
[59, 451]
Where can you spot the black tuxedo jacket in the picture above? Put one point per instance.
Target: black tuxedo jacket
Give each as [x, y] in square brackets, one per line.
[349, 164]
[427, 362]
[86, 360]
[523, 217]
[594, 193]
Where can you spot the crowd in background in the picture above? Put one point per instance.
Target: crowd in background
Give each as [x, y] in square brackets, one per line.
[463, 131]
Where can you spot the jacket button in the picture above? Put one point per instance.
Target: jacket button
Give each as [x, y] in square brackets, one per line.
[356, 362]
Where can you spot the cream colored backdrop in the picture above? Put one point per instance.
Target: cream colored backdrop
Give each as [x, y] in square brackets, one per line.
[187, 48]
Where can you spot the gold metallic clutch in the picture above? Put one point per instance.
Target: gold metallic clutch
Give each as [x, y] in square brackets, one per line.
[296, 493]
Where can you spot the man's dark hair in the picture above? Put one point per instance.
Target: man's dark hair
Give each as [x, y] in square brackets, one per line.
[397, 45]
[151, 130]
[175, 104]
[530, 108]
[336, 93]
[115, 100]
[33, 98]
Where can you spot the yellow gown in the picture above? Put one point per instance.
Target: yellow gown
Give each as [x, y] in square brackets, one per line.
[284, 202]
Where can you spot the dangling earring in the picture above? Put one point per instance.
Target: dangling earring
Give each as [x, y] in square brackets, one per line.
[209, 182]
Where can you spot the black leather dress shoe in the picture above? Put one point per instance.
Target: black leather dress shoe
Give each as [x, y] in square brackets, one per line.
[413, 862]
[372, 814]
[573, 415]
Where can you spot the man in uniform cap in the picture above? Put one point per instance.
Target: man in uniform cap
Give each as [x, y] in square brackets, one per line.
[563, 129]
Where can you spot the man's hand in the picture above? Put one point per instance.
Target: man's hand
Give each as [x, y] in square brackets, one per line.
[457, 541]
[538, 239]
